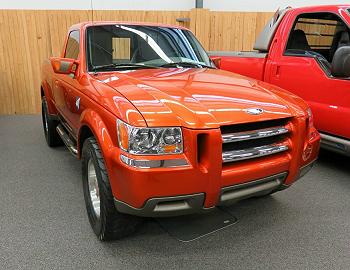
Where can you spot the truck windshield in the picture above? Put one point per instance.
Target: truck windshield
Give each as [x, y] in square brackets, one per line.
[111, 47]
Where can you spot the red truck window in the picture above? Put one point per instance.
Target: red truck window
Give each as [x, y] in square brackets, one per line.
[317, 34]
[72, 49]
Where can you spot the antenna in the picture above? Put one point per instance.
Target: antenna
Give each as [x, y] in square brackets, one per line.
[92, 10]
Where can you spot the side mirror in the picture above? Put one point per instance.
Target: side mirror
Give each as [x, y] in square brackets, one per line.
[64, 65]
[217, 61]
[341, 63]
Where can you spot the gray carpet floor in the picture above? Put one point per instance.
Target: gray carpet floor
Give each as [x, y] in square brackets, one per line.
[44, 225]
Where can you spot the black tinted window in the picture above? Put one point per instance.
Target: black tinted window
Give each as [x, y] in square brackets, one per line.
[72, 49]
[146, 45]
[317, 34]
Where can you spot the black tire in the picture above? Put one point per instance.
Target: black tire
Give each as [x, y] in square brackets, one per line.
[110, 224]
[49, 125]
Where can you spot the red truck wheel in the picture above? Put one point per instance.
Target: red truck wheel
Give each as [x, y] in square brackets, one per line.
[106, 221]
[49, 125]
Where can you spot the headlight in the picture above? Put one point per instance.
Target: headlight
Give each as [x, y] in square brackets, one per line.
[149, 141]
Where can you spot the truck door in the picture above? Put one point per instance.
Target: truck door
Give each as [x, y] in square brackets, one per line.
[67, 95]
[302, 65]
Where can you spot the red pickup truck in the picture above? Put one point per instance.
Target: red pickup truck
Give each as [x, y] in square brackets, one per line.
[307, 52]
[162, 132]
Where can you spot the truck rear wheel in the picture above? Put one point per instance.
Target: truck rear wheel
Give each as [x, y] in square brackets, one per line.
[49, 125]
[106, 221]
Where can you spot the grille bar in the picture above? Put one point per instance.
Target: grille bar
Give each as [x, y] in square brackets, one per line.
[255, 152]
[254, 134]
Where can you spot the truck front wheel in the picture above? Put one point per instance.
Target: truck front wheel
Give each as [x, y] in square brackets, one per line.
[106, 221]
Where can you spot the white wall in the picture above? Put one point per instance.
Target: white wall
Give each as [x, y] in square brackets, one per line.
[264, 5]
[99, 4]
[223, 5]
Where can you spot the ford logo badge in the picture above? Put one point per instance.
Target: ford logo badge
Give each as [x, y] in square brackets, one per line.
[254, 111]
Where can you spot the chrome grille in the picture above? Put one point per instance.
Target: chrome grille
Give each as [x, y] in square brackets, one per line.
[254, 152]
[242, 142]
[254, 134]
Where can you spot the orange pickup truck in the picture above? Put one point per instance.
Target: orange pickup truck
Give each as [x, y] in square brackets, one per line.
[161, 131]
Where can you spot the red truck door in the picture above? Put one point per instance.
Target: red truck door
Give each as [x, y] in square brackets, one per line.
[302, 65]
[66, 95]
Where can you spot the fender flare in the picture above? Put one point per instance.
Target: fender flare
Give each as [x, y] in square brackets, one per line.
[49, 99]
[92, 120]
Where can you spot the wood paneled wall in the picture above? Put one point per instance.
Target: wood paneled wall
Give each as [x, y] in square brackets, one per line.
[27, 37]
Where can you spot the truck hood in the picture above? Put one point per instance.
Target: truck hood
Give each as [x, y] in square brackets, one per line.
[197, 98]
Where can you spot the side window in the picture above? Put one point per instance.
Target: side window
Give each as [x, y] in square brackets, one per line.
[72, 49]
[317, 34]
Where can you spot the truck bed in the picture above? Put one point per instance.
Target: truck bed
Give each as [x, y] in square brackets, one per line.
[250, 64]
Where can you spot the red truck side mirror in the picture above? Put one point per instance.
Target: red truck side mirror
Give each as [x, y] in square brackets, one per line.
[216, 61]
[64, 65]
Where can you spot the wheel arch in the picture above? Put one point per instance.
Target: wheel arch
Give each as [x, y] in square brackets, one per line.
[42, 93]
[45, 92]
[92, 124]
[84, 133]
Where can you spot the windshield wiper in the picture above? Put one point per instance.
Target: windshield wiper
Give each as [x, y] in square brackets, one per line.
[120, 66]
[186, 64]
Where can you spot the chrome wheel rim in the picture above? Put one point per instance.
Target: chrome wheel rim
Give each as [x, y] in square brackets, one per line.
[93, 188]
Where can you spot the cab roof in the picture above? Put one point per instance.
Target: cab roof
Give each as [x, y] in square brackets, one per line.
[84, 25]
[324, 8]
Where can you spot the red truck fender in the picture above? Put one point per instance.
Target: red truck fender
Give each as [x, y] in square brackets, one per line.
[45, 91]
[92, 124]
[46, 87]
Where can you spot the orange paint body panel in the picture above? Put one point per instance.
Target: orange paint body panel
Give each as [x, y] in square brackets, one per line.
[201, 101]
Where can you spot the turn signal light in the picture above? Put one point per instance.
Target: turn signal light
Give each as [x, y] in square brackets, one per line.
[123, 134]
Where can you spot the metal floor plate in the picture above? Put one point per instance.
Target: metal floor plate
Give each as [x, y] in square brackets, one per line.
[192, 227]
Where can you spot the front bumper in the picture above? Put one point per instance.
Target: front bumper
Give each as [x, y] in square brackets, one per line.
[188, 204]
[194, 203]
[192, 182]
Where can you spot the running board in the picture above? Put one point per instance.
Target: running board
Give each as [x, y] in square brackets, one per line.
[335, 144]
[67, 140]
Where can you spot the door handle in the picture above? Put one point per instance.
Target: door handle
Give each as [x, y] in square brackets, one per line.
[278, 71]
